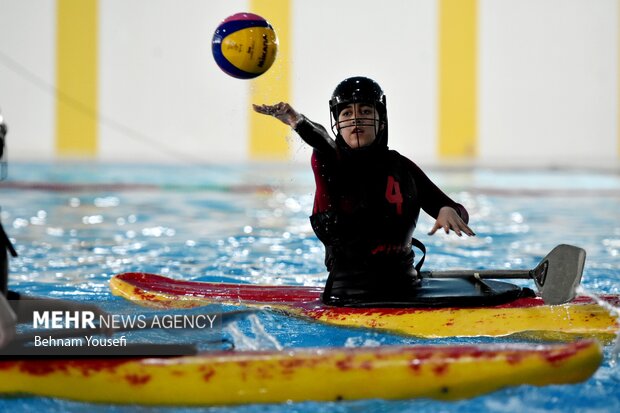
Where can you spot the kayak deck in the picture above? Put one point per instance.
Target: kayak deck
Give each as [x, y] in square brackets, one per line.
[530, 316]
[319, 374]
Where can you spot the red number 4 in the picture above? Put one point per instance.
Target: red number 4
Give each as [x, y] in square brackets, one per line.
[393, 195]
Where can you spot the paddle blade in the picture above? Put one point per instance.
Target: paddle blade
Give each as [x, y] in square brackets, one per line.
[559, 273]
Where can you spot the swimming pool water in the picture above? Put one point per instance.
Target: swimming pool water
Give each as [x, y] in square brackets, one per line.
[76, 225]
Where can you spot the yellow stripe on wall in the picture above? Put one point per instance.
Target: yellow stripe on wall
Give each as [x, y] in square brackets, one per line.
[457, 78]
[76, 78]
[268, 135]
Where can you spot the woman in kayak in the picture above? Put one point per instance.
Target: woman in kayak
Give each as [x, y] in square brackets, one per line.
[368, 198]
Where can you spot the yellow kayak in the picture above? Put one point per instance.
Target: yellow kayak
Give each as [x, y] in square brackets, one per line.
[319, 374]
[524, 316]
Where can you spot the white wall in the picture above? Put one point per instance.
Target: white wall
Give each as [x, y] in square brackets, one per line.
[395, 44]
[548, 80]
[27, 76]
[547, 77]
[160, 92]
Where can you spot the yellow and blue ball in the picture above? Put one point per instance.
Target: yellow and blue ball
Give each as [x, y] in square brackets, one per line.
[244, 45]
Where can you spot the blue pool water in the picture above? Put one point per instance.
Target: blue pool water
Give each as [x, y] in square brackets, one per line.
[76, 225]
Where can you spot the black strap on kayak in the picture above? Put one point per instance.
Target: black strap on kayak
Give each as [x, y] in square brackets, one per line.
[418, 244]
[474, 280]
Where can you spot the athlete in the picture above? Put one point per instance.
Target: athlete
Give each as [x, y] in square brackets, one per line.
[18, 308]
[368, 198]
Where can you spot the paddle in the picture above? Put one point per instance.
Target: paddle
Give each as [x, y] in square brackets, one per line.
[556, 276]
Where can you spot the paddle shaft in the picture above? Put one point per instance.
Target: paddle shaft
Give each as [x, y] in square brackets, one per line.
[556, 276]
[483, 274]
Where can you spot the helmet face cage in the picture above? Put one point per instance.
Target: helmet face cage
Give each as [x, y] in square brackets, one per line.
[354, 120]
[360, 90]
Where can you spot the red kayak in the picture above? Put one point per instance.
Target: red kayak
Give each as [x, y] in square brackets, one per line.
[583, 316]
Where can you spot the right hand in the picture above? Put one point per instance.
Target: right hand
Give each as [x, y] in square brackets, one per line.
[449, 219]
[282, 111]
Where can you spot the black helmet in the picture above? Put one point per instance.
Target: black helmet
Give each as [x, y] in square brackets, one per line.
[359, 89]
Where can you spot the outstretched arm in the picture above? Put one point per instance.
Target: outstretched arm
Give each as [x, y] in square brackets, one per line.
[312, 133]
[281, 111]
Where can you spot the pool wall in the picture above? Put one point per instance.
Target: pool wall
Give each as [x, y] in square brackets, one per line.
[512, 82]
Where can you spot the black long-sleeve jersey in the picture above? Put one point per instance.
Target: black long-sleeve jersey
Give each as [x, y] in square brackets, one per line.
[366, 208]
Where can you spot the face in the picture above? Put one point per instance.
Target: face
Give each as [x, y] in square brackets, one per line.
[358, 124]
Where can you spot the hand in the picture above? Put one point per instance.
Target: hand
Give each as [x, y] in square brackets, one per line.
[448, 219]
[282, 111]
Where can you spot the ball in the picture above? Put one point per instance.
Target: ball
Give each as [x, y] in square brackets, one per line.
[244, 45]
